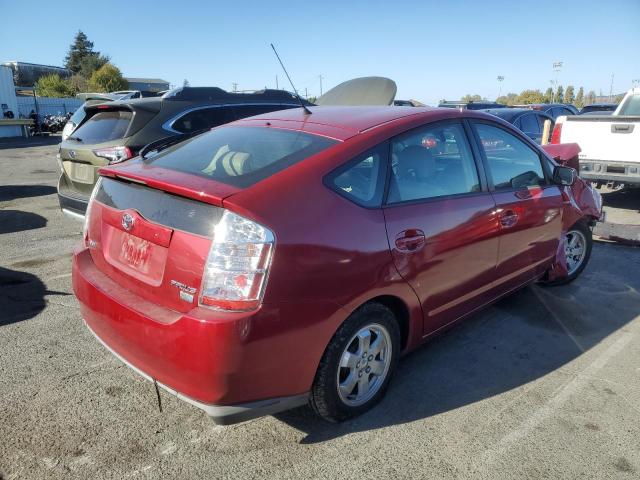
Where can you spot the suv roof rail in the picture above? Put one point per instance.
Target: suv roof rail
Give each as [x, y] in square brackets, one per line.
[218, 94]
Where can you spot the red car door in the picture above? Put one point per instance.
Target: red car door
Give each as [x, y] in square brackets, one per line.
[529, 206]
[441, 222]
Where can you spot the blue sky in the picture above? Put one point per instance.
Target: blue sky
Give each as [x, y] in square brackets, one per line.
[432, 49]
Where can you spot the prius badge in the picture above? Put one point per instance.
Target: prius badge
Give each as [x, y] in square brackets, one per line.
[127, 222]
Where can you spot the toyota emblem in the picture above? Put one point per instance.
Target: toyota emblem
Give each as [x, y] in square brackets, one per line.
[72, 154]
[127, 222]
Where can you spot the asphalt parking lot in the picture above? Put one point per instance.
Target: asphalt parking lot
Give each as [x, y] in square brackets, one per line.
[544, 384]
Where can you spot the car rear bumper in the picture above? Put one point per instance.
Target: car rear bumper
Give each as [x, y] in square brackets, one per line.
[610, 171]
[234, 366]
[72, 204]
[222, 414]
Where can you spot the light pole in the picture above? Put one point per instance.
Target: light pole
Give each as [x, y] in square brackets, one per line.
[320, 78]
[635, 82]
[500, 80]
[557, 66]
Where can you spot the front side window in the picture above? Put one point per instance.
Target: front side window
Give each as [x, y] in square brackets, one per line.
[240, 156]
[512, 163]
[432, 161]
[362, 180]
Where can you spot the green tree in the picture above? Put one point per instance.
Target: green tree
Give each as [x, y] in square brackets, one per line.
[580, 98]
[591, 97]
[107, 79]
[54, 86]
[79, 83]
[569, 96]
[78, 51]
[185, 83]
[559, 94]
[528, 97]
[471, 98]
[91, 63]
[548, 95]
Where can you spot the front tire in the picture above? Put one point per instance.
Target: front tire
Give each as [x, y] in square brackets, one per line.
[578, 247]
[357, 365]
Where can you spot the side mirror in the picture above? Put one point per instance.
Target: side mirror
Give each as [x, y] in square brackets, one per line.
[564, 175]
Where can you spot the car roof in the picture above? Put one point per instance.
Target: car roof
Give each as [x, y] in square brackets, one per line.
[350, 120]
[511, 113]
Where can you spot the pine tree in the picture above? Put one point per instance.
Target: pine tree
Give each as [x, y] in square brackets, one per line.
[580, 98]
[548, 95]
[559, 94]
[80, 49]
[591, 97]
[185, 83]
[569, 96]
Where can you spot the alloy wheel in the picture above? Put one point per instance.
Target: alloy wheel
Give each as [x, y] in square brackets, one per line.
[575, 248]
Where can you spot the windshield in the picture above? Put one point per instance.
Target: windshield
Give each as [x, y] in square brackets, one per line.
[631, 106]
[104, 126]
[240, 156]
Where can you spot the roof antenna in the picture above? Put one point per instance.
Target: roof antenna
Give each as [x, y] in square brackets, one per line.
[304, 107]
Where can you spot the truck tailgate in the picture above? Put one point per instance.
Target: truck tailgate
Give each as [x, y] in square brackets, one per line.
[604, 138]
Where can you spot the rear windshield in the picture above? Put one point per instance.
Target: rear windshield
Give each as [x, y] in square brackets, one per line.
[631, 106]
[240, 156]
[104, 126]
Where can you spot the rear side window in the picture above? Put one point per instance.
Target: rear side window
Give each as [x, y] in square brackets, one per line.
[202, 119]
[362, 179]
[631, 106]
[104, 127]
[244, 111]
[240, 156]
[529, 123]
[432, 161]
[512, 163]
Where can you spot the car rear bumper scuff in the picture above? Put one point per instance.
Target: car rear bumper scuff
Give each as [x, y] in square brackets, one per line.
[221, 414]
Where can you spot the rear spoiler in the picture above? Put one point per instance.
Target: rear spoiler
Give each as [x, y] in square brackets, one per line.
[564, 153]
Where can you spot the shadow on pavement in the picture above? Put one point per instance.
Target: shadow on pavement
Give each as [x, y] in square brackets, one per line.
[20, 142]
[21, 296]
[19, 221]
[516, 341]
[13, 192]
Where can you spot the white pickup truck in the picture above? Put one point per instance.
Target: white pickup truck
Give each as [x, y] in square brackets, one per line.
[610, 145]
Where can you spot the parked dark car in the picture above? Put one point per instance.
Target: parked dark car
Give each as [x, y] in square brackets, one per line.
[599, 107]
[471, 105]
[291, 258]
[554, 109]
[116, 131]
[531, 122]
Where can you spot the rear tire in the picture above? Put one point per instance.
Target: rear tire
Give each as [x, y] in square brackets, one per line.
[577, 251]
[357, 365]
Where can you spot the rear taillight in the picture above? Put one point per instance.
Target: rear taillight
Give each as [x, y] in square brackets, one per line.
[235, 274]
[114, 154]
[87, 214]
[557, 132]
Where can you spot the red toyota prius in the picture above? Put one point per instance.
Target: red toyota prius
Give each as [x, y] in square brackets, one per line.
[291, 258]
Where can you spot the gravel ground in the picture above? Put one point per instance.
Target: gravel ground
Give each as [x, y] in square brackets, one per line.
[544, 384]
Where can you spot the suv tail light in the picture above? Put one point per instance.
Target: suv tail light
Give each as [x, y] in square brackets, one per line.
[237, 266]
[114, 154]
[87, 214]
[557, 132]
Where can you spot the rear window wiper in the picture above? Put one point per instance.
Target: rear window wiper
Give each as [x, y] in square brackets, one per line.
[166, 142]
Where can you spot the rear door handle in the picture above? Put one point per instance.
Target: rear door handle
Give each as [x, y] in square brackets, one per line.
[410, 240]
[508, 218]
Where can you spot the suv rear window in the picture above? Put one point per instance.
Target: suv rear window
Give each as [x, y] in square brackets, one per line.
[104, 126]
[240, 156]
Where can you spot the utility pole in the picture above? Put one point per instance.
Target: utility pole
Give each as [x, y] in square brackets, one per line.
[320, 77]
[235, 86]
[557, 66]
[500, 80]
[277, 87]
[306, 94]
[611, 89]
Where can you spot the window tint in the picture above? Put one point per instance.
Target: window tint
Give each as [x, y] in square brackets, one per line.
[432, 162]
[240, 156]
[529, 123]
[104, 126]
[512, 163]
[363, 178]
[202, 119]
